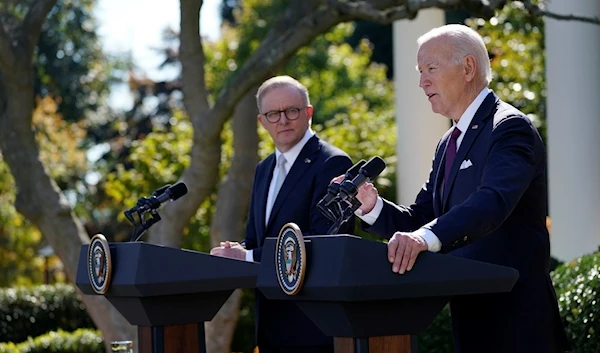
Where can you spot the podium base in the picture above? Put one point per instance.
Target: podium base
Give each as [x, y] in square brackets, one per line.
[383, 344]
[188, 338]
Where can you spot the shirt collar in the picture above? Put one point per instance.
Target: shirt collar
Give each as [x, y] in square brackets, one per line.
[467, 116]
[294, 152]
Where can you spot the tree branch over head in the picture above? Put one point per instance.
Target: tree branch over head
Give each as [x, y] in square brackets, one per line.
[539, 10]
[270, 54]
[364, 10]
[195, 95]
[32, 26]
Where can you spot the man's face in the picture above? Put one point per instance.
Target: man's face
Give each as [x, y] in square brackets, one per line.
[285, 133]
[442, 80]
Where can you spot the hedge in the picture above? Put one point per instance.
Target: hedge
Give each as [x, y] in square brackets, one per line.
[79, 341]
[577, 287]
[33, 311]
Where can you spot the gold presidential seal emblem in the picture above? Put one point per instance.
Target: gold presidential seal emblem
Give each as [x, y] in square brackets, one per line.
[290, 259]
[99, 264]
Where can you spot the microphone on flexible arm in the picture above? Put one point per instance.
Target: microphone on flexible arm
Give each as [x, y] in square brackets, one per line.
[162, 195]
[370, 171]
[152, 204]
[334, 189]
[349, 189]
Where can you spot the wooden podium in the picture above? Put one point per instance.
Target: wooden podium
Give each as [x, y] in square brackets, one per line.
[351, 293]
[167, 292]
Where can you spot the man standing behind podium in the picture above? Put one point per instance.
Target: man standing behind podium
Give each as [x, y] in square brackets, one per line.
[485, 200]
[301, 168]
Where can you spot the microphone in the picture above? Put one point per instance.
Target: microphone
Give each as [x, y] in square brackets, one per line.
[349, 188]
[162, 195]
[334, 188]
[160, 190]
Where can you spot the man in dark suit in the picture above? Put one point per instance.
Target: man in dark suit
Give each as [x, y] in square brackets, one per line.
[485, 200]
[301, 167]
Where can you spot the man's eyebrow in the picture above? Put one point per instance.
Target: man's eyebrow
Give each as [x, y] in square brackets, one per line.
[429, 63]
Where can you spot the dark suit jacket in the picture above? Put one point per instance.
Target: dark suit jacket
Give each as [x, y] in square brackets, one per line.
[492, 211]
[282, 323]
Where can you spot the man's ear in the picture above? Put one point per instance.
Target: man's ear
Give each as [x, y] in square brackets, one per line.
[470, 68]
[309, 111]
[260, 120]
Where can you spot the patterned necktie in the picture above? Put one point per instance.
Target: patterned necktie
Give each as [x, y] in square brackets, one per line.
[451, 152]
[279, 174]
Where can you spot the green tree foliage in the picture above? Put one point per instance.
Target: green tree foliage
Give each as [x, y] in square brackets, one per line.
[515, 41]
[19, 263]
[59, 143]
[69, 63]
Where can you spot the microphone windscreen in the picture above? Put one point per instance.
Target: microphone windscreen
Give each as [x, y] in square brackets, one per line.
[178, 190]
[373, 167]
[353, 171]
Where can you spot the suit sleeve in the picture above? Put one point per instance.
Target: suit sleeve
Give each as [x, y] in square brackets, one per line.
[394, 218]
[251, 238]
[508, 171]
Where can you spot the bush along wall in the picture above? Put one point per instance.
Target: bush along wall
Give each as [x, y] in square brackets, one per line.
[79, 341]
[33, 311]
[577, 287]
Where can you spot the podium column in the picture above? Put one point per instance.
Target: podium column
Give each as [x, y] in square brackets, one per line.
[383, 344]
[187, 338]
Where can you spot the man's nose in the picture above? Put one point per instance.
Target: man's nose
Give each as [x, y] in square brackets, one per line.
[283, 118]
[422, 80]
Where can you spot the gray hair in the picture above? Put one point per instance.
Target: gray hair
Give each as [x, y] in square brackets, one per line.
[281, 81]
[463, 41]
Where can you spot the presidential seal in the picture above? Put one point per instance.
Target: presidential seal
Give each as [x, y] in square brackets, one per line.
[99, 264]
[290, 259]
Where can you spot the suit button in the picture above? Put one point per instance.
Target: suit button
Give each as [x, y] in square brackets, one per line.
[465, 238]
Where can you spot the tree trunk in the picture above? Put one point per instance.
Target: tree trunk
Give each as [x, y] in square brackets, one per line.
[41, 201]
[231, 211]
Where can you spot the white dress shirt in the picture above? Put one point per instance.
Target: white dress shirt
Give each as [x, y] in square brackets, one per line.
[433, 242]
[290, 156]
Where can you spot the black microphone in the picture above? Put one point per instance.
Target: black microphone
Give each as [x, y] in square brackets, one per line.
[160, 190]
[162, 195]
[370, 171]
[334, 188]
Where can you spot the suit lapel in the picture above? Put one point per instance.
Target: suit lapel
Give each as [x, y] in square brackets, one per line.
[263, 192]
[301, 165]
[476, 126]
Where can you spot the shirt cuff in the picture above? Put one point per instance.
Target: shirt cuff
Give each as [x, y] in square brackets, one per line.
[433, 242]
[371, 217]
[250, 255]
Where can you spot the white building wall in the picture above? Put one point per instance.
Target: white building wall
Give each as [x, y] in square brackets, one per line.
[573, 133]
[419, 129]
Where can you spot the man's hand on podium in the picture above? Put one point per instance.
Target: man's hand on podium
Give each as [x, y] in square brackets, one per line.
[403, 249]
[230, 249]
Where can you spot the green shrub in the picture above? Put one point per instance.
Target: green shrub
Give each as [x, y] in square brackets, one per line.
[33, 311]
[437, 338]
[79, 341]
[577, 286]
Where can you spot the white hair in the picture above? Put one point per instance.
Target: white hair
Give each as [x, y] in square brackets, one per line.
[281, 81]
[463, 41]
